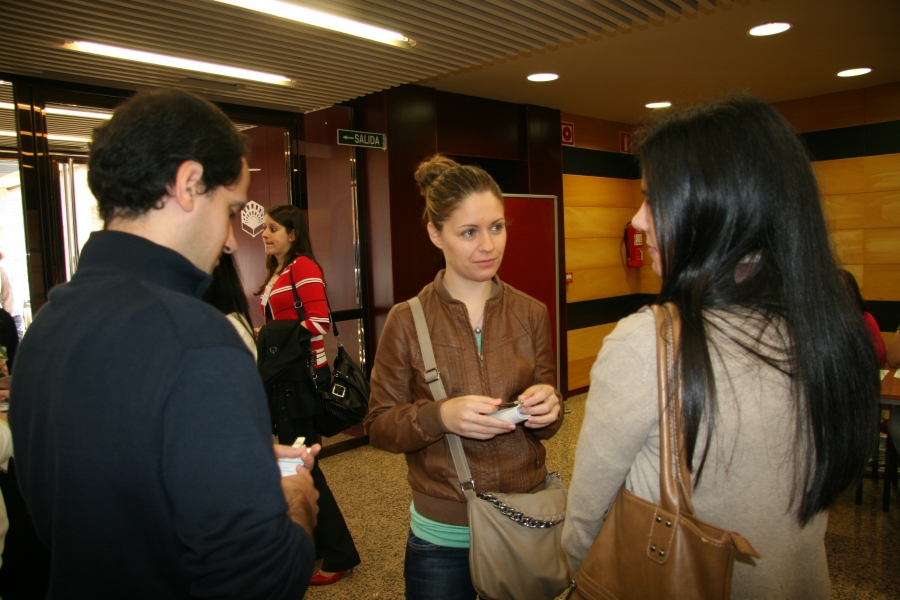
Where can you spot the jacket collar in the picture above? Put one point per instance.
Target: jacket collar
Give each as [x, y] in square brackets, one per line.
[107, 252]
[443, 294]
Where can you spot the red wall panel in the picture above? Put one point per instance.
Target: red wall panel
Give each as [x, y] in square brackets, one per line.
[530, 261]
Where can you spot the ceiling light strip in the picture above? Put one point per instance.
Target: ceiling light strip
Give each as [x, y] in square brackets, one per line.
[68, 112]
[175, 62]
[322, 20]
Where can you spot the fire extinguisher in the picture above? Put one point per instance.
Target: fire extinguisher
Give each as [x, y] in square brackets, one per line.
[634, 244]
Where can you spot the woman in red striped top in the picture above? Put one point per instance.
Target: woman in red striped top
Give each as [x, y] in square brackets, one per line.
[289, 253]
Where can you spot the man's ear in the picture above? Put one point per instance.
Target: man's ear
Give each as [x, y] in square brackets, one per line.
[188, 185]
[434, 235]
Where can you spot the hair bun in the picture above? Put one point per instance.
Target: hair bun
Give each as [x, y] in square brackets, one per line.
[431, 169]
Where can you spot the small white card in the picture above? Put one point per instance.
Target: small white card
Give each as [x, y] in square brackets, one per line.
[289, 466]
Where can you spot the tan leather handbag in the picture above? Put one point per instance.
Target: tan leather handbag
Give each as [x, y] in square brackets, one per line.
[645, 550]
[515, 552]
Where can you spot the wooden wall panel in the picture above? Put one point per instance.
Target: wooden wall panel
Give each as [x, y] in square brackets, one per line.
[882, 246]
[883, 103]
[586, 343]
[845, 211]
[882, 209]
[650, 283]
[888, 336]
[848, 246]
[882, 173]
[593, 253]
[591, 222]
[596, 134]
[841, 109]
[637, 195]
[591, 284]
[881, 282]
[580, 373]
[609, 192]
[842, 176]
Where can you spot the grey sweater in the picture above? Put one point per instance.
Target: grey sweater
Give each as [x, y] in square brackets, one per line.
[748, 480]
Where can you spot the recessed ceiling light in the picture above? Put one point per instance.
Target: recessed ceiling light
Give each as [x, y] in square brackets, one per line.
[8, 134]
[176, 62]
[7, 105]
[769, 29]
[543, 77]
[658, 105]
[316, 18]
[854, 72]
[52, 110]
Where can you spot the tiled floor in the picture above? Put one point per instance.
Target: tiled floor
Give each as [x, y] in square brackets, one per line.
[863, 543]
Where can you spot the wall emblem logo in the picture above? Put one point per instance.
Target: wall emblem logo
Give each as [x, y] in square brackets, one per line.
[252, 218]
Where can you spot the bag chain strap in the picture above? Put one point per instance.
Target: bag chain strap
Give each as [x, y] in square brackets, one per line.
[518, 516]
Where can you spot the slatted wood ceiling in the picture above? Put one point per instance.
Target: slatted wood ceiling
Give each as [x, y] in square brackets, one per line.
[326, 67]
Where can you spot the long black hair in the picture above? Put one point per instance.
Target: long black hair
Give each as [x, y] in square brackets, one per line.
[741, 232]
[226, 291]
[852, 288]
[291, 218]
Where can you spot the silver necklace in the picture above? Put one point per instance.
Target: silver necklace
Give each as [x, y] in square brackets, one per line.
[477, 325]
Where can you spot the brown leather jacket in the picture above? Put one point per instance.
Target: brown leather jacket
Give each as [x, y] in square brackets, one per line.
[403, 417]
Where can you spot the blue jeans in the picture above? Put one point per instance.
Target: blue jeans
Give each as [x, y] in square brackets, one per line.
[435, 572]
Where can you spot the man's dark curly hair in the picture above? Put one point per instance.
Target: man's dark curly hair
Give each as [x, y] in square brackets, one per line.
[135, 156]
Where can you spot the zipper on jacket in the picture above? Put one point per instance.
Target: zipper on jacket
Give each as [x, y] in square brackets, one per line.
[480, 355]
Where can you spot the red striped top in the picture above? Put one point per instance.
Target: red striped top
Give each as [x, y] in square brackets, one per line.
[311, 289]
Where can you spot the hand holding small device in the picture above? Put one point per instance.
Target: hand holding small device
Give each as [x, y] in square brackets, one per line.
[291, 458]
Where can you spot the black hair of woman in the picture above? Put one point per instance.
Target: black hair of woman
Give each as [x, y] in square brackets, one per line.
[852, 287]
[291, 218]
[226, 291]
[740, 229]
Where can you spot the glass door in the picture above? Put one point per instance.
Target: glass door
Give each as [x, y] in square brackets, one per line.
[14, 290]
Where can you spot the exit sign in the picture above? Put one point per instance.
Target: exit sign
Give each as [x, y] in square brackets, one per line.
[346, 137]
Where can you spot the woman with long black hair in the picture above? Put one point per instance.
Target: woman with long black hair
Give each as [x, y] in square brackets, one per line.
[292, 272]
[226, 292]
[778, 375]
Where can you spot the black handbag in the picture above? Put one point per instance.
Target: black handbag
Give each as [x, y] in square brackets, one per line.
[345, 397]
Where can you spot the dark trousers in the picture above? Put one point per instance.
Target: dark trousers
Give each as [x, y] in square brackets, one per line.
[433, 572]
[334, 544]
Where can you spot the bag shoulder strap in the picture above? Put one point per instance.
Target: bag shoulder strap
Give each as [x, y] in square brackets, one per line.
[298, 304]
[433, 379]
[674, 475]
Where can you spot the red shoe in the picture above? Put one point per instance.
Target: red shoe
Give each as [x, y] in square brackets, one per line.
[319, 579]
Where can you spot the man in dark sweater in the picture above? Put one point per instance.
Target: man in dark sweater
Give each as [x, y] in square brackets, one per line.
[141, 428]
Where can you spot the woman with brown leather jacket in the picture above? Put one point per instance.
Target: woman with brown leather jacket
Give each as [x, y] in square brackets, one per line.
[492, 346]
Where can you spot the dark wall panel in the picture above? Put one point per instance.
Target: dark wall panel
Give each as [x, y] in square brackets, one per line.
[605, 310]
[853, 142]
[599, 163]
[411, 137]
[470, 126]
[376, 182]
[544, 159]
